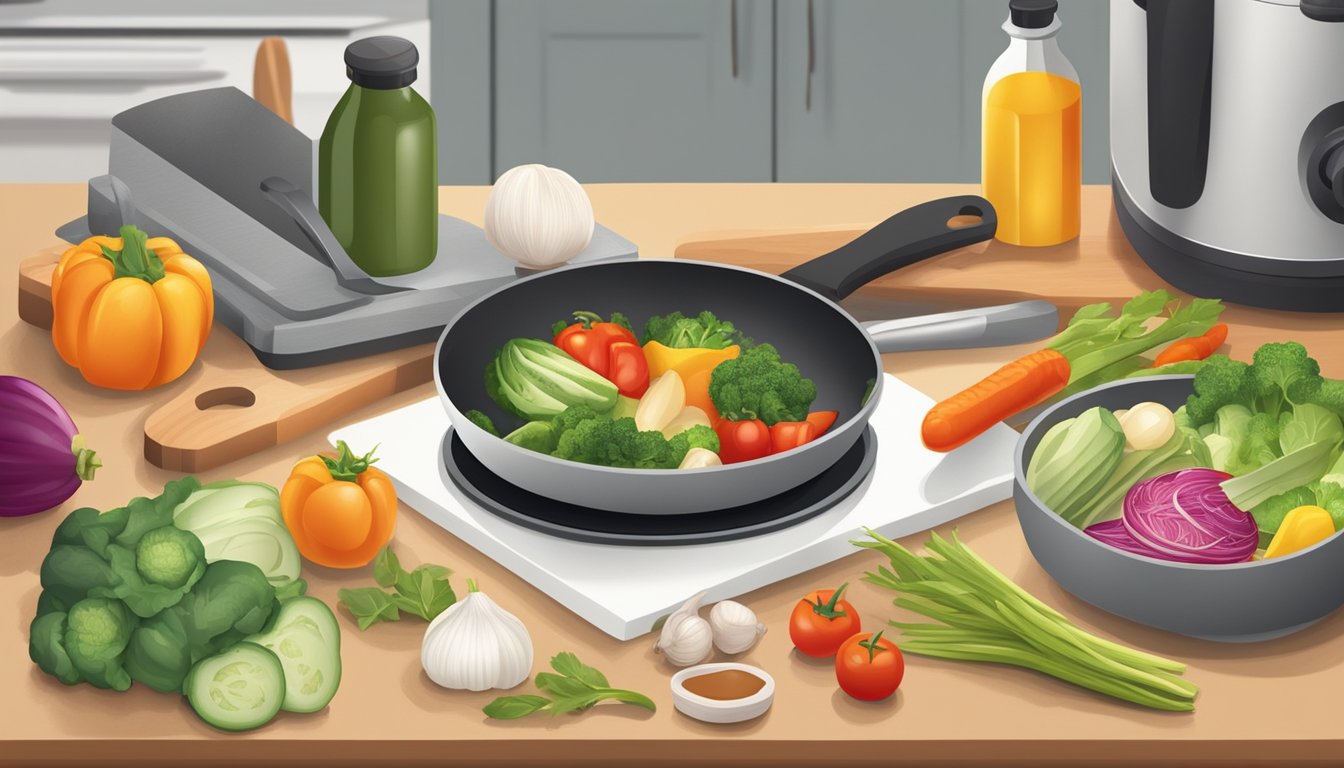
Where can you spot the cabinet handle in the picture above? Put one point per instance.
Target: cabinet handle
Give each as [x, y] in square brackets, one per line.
[732, 33]
[811, 55]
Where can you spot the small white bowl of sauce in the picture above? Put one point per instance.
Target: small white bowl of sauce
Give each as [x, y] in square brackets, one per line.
[727, 692]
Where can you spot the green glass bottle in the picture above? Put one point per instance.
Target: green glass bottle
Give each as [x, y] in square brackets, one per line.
[377, 166]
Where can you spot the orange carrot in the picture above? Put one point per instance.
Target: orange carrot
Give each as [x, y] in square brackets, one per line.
[1027, 381]
[1195, 348]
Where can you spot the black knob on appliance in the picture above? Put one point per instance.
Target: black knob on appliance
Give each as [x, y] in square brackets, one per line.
[1333, 168]
[1324, 10]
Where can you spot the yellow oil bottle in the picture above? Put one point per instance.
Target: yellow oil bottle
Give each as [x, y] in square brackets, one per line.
[1032, 132]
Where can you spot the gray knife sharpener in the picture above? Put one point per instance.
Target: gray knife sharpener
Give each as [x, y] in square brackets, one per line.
[192, 166]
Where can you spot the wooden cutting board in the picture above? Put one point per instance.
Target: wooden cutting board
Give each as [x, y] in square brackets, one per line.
[231, 405]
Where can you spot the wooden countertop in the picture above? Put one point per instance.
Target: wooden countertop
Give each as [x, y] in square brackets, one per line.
[1269, 703]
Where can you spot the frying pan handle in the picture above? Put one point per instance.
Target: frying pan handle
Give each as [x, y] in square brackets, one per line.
[910, 236]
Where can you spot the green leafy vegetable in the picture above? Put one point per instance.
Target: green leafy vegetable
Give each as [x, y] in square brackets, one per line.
[1094, 341]
[980, 615]
[423, 592]
[574, 687]
[757, 384]
[537, 380]
[132, 595]
[1074, 459]
[1269, 514]
[585, 436]
[1304, 465]
[704, 331]
[241, 521]
[481, 420]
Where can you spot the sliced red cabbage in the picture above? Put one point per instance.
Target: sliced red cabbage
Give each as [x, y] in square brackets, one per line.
[1185, 516]
[1114, 533]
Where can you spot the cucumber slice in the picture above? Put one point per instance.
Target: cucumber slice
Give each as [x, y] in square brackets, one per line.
[237, 690]
[307, 640]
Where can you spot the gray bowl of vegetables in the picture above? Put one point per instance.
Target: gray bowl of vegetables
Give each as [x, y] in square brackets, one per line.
[1206, 505]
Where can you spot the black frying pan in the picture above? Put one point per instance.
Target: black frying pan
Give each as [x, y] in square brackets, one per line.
[795, 311]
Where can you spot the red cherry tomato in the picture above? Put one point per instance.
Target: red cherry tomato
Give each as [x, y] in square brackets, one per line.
[742, 440]
[869, 667]
[589, 340]
[821, 421]
[628, 369]
[787, 435]
[822, 621]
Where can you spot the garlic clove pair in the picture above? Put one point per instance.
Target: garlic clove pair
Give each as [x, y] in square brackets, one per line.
[538, 216]
[686, 638]
[734, 627]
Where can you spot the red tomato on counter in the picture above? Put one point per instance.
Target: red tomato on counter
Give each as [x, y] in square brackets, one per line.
[821, 622]
[869, 667]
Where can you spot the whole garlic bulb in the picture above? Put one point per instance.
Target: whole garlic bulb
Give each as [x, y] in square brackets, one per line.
[686, 638]
[734, 626]
[538, 216]
[475, 645]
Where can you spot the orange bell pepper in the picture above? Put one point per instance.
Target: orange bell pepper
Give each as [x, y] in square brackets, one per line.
[694, 365]
[340, 511]
[130, 312]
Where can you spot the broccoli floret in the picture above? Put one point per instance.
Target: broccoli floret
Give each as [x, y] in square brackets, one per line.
[482, 421]
[1282, 374]
[758, 385]
[586, 437]
[1330, 395]
[1259, 446]
[1269, 514]
[1222, 381]
[704, 331]
[96, 633]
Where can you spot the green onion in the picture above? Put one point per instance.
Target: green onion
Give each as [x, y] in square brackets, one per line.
[983, 616]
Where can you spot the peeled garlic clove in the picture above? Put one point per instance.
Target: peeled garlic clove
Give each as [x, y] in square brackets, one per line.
[538, 216]
[700, 457]
[662, 401]
[734, 627]
[1147, 426]
[690, 416]
[475, 645]
[686, 638]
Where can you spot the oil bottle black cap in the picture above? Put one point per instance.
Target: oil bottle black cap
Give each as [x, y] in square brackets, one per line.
[384, 62]
[1032, 14]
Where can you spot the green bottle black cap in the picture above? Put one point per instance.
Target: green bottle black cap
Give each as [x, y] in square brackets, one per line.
[384, 62]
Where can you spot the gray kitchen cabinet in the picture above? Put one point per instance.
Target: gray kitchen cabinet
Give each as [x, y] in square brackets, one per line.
[896, 86]
[632, 90]
[644, 90]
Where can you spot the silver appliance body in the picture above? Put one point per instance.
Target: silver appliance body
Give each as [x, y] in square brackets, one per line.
[1227, 146]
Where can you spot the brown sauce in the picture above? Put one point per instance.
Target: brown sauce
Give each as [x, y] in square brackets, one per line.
[724, 685]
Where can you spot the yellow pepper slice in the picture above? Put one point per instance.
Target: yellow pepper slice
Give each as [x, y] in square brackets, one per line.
[694, 365]
[1301, 528]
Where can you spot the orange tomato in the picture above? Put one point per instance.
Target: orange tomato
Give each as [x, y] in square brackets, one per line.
[130, 312]
[340, 511]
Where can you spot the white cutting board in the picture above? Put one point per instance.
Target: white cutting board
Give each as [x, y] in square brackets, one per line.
[624, 590]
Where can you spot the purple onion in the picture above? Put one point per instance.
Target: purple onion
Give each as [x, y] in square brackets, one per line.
[1186, 517]
[43, 460]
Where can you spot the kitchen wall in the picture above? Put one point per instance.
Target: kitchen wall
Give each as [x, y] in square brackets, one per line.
[611, 90]
[68, 66]
[752, 90]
